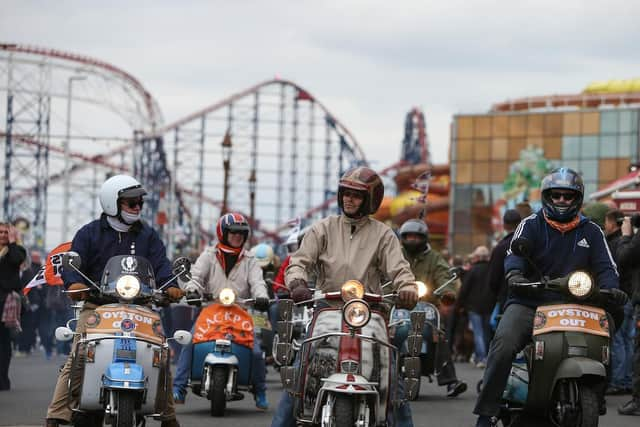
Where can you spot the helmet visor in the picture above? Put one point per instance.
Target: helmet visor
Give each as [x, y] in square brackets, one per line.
[131, 192]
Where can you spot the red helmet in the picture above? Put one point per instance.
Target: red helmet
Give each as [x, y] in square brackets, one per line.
[367, 181]
[232, 222]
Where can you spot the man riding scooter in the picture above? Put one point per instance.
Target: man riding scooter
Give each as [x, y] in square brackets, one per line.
[228, 265]
[350, 246]
[114, 233]
[563, 241]
[431, 268]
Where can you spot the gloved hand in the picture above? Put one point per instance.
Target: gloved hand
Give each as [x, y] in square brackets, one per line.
[261, 304]
[407, 297]
[175, 293]
[299, 290]
[191, 287]
[514, 279]
[78, 296]
[618, 297]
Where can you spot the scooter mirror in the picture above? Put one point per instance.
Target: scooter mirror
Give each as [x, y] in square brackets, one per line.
[63, 334]
[414, 344]
[285, 309]
[182, 269]
[182, 337]
[70, 260]
[522, 247]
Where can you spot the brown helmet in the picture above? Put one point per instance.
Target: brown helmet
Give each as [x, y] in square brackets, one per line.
[366, 180]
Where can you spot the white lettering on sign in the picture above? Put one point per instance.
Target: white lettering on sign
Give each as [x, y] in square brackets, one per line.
[125, 315]
[224, 317]
[570, 312]
[572, 322]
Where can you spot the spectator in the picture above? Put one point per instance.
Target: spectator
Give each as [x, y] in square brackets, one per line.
[495, 275]
[29, 320]
[478, 300]
[11, 256]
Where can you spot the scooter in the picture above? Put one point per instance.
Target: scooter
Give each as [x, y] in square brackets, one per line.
[400, 326]
[562, 372]
[122, 356]
[222, 351]
[347, 360]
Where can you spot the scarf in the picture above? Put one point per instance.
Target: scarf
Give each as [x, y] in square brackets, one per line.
[118, 225]
[563, 227]
[226, 249]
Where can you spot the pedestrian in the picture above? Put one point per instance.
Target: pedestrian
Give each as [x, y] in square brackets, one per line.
[11, 256]
[478, 300]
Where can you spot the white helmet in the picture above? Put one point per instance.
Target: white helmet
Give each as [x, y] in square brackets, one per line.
[116, 187]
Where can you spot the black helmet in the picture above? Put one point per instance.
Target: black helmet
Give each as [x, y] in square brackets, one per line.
[414, 226]
[562, 179]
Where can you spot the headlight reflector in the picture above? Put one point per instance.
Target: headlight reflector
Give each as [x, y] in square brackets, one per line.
[227, 296]
[356, 313]
[128, 286]
[351, 289]
[580, 284]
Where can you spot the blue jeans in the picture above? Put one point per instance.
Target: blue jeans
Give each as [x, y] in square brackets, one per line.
[622, 350]
[258, 368]
[481, 334]
[284, 413]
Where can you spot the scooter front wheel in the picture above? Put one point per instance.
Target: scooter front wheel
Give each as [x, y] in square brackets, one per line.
[589, 406]
[126, 411]
[216, 391]
[344, 411]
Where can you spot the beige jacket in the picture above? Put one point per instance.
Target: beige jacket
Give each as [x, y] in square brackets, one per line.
[245, 277]
[340, 248]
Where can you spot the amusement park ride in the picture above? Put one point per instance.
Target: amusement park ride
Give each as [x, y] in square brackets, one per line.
[273, 152]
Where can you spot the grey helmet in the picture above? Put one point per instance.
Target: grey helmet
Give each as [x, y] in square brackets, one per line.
[414, 226]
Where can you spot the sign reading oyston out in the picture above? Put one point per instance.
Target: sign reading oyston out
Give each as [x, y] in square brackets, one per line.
[571, 317]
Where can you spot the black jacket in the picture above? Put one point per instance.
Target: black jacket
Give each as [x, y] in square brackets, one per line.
[495, 275]
[475, 295]
[10, 271]
[627, 255]
[613, 240]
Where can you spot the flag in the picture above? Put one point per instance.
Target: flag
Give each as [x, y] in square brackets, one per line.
[51, 272]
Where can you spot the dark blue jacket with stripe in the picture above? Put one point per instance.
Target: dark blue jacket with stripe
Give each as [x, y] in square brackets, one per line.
[557, 254]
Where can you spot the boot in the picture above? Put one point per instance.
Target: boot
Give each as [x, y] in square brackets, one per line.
[261, 400]
[456, 388]
[632, 407]
[486, 421]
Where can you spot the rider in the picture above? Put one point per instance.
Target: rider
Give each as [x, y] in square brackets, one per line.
[350, 246]
[563, 241]
[228, 265]
[431, 268]
[114, 233]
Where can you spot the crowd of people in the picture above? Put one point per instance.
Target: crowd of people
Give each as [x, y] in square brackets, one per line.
[471, 308]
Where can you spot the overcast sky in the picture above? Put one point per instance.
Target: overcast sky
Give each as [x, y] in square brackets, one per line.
[368, 61]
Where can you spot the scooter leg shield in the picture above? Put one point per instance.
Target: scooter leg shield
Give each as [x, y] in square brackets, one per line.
[577, 367]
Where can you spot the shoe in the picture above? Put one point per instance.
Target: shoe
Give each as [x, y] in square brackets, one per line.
[486, 421]
[614, 391]
[632, 407]
[456, 388]
[261, 400]
[179, 397]
[53, 422]
[170, 423]
[481, 365]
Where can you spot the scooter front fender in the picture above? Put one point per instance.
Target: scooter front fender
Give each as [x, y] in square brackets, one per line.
[121, 375]
[578, 367]
[221, 359]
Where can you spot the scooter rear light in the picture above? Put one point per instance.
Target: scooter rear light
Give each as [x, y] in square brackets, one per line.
[157, 357]
[605, 354]
[91, 352]
[539, 350]
[349, 367]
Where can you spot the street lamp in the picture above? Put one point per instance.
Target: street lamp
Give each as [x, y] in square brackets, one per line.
[226, 163]
[67, 160]
[252, 195]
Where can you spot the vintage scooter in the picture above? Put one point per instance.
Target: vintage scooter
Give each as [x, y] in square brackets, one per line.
[347, 361]
[122, 356]
[562, 372]
[222, 352]
[400, 325]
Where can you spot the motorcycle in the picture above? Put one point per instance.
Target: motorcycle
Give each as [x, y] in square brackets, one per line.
[122, 356]
[222, 351]
[430, 351]
[561, 373]
[348, 362]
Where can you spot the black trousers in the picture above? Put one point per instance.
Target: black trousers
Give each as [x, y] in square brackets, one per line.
[5, 357]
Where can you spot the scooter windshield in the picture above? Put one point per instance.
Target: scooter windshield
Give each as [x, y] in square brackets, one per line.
[127, 272]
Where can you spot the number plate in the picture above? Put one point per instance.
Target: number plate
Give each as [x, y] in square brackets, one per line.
[125, 349]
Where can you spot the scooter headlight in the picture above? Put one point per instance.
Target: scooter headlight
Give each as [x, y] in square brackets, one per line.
[352, 289]
[423, 290]
[580, 284]
[128, 287]
[356, 313]
[227, 296]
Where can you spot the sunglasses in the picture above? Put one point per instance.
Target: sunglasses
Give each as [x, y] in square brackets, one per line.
[132, 203]
[556, 195]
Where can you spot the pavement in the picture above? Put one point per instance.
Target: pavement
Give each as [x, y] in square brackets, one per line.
[34, 377]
